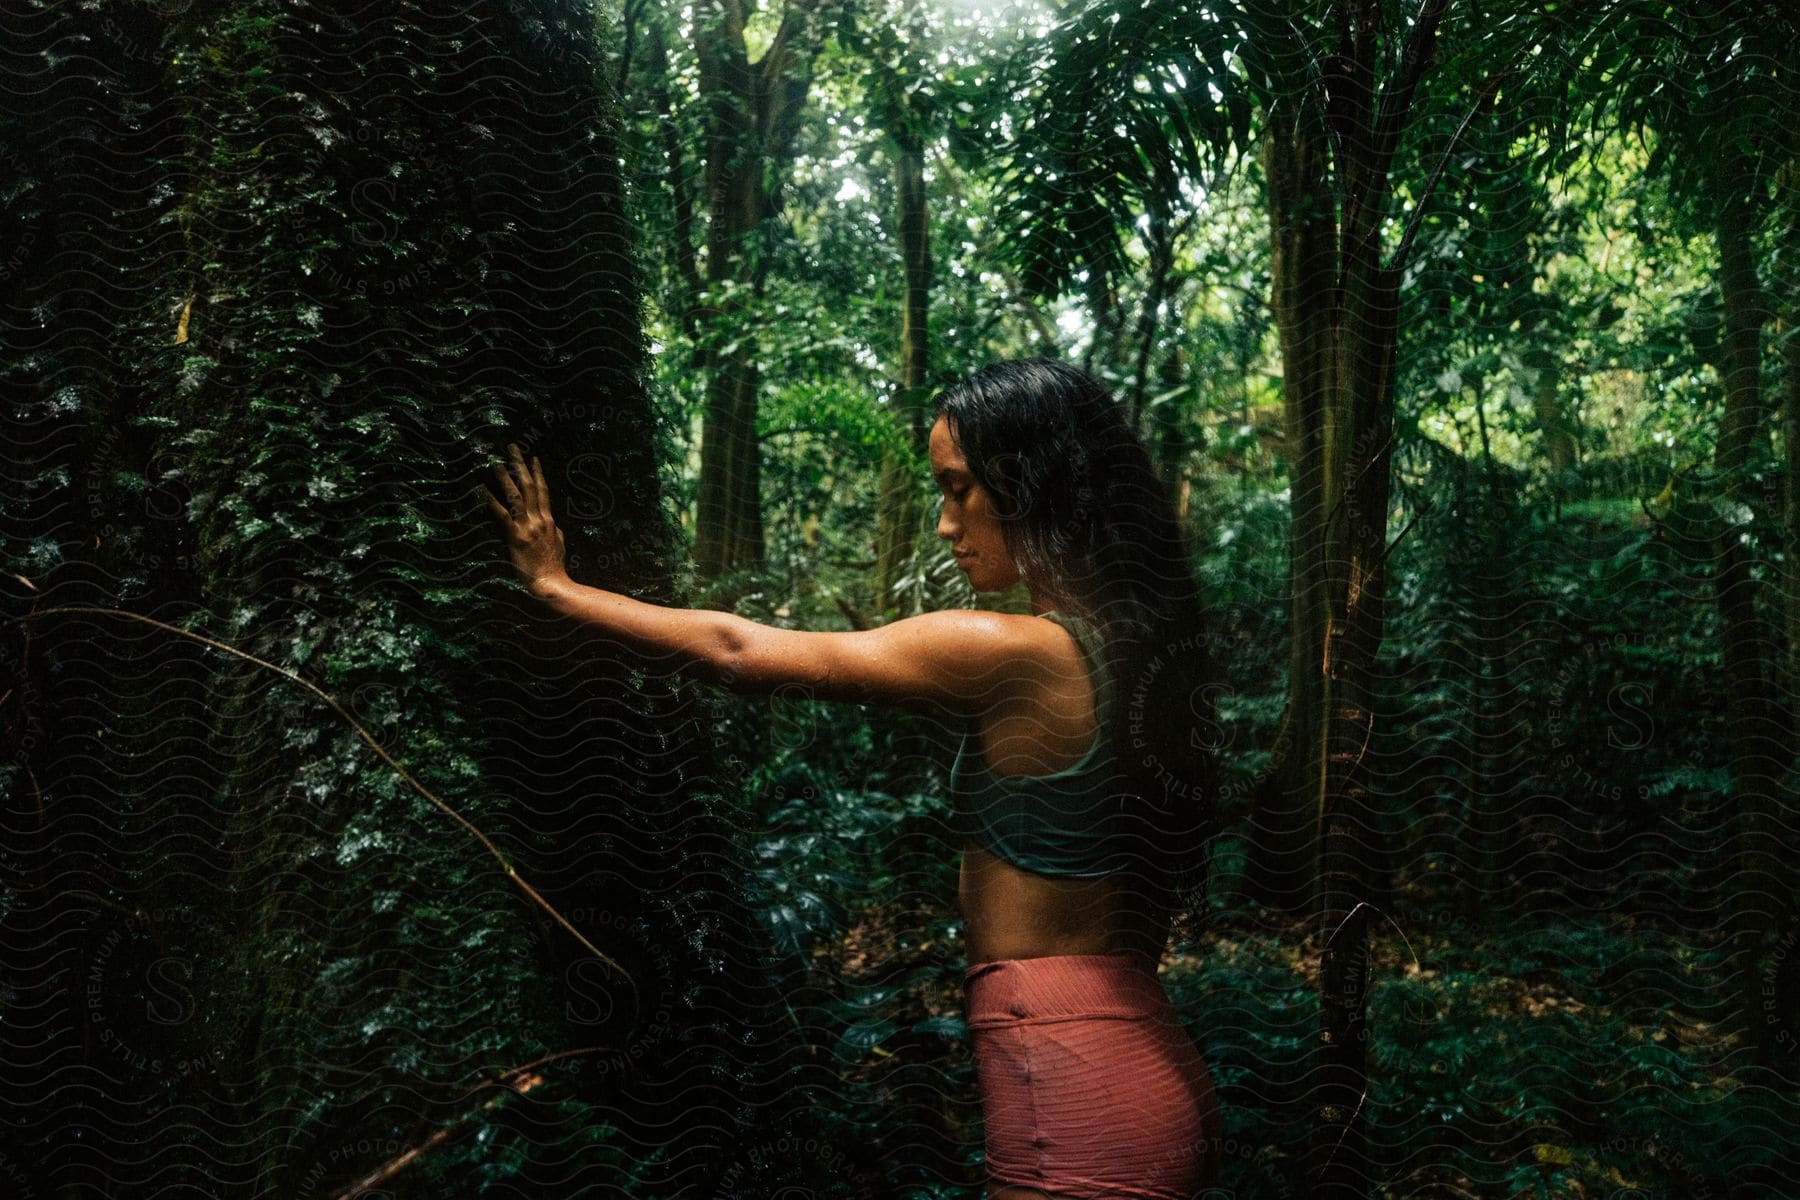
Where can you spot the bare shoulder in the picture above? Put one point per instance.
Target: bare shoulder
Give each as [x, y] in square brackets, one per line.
[963, 661]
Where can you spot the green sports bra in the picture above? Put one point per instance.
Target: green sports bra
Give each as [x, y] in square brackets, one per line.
[1082, 820]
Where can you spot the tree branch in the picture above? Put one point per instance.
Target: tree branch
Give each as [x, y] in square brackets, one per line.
[1488, 90]
[1395, 103]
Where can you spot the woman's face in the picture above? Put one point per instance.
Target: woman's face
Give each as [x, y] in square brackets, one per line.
[967, 520]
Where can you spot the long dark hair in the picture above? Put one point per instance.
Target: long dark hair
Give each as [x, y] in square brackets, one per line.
[1094, 530]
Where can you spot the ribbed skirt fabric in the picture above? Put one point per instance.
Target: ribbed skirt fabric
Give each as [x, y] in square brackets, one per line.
[1090, 1087]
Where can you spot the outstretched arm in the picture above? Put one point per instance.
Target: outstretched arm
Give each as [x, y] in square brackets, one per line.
[679, 639]
[962, 661]
[959, 661]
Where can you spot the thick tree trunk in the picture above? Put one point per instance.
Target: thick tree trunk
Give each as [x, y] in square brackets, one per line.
[316, 232]
[82, 121]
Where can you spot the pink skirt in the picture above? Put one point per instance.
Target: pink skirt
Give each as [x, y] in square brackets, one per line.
[1090, 1087]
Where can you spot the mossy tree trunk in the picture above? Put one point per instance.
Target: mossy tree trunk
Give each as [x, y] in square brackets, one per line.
[298, 273]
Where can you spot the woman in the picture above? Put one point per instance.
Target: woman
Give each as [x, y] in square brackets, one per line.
[1081, 792]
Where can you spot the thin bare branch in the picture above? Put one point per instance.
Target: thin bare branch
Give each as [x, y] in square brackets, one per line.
[511, 872]
[1488, 90]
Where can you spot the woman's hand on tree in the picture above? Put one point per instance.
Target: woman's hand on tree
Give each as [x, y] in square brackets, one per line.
[532, 538]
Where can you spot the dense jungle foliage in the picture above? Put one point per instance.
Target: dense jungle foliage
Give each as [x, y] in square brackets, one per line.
[1463, 337]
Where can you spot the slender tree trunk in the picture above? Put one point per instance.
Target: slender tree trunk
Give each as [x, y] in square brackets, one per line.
[1109, 321]
[1162, 263]
[752, 110]
[728, 521]
[1790, 523]
[1170, 443]
[1759, 759]
[735, 203]
[1357, 591]
[1303, 271]
[915, 256]
[1335, 303]
[1558, 435]
[899, 510]
[681, 196]
[1787, 290]
[1309, 837]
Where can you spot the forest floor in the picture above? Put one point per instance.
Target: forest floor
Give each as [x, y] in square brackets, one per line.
[1568, 1058]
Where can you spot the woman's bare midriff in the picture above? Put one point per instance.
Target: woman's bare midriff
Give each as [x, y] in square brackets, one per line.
[1009, 912]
